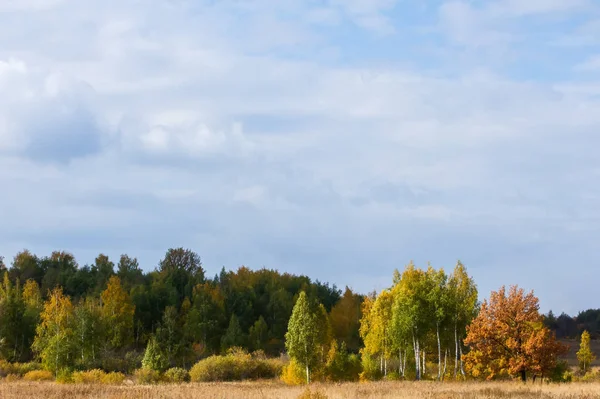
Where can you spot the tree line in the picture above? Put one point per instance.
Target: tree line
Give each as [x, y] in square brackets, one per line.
[427, 324]
[105, 314]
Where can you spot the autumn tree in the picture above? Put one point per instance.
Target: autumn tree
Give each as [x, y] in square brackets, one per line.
[345, 320]
[55, 340]
[117, 314]
[585, 354]
[462, 308]
[507, 337]
[302, 337]
[377, 337]
[89, 331]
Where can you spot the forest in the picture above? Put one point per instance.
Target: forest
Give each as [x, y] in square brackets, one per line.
[175, 322]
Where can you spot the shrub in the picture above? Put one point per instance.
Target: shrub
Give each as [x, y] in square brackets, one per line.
[176, 375]
[370, 367]
[147, 376]
[114, 378]
[561, 372]
[235, 366]
[19, 369]
[12, 378]
[293, 374]
[64, 376]
[88, 377]
[38, 375]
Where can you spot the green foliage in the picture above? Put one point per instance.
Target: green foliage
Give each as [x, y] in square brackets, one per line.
[341, 366]
[20, 369]
[234, 336]
[302, 338]
[154, 357]
[176, 375]
[259, 334]
[64, 376]
[235, 366]
[147, 376]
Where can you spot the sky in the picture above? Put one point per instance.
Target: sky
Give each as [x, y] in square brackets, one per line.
[340, 139]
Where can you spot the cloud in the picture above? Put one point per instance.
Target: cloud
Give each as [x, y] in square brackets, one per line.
[46, 117]
[247, 131]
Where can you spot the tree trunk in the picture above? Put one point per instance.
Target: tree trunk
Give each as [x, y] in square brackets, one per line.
[445, 363]
[417, 356]
[455, 350]
[462, 369]
[523, 375]
[424, 370]
[439, 352]
[307, 375]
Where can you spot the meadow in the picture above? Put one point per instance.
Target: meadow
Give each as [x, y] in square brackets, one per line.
[276, 390]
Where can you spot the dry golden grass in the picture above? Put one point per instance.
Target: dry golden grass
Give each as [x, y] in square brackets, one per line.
[274, 390]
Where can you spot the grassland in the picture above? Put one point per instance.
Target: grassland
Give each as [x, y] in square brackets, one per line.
[274, 390]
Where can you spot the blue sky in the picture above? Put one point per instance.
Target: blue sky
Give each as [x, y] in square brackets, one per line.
[335, 138]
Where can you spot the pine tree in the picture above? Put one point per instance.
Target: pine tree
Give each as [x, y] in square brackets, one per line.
[302, 337]
[585, 354]
[154, 357]
[234, 336]
[258, 334]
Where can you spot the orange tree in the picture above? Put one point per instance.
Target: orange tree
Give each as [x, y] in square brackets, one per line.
[508, 338]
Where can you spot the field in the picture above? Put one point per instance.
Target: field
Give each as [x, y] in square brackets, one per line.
[273, 390]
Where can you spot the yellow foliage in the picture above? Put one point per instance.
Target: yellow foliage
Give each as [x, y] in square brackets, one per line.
[293, 374]
[38, 375]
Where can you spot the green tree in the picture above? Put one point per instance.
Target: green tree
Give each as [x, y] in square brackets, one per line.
[89, 331]
[14, 329]
[463, 308]
[258, 334]
[117, 314]
[585, 354]
[302, 337]
[234, 336]
[154, 357]
[55, 341]
[170, 335]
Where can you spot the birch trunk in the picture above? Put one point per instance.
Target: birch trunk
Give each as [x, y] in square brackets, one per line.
[455, 350]
[439, 352]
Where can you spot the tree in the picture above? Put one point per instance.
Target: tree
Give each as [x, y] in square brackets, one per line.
[170, 335]
[103, 270]
[302, 337]
[89, 331]
[378, 336]
[234, 336]
[258, 334]
[117, 314]
[55, 341]
[507, 335]
[154, 357]
[345, 320]
[14, 337]
[182, 270]
[585, 354]
[462, 309]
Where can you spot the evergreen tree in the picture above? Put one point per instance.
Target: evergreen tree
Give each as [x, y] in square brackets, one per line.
[234, 336]
[258, 334]
[154, 357]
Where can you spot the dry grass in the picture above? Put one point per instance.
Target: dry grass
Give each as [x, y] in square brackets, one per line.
[274, 390]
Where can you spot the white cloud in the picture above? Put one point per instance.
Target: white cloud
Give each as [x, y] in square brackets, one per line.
[217, 127]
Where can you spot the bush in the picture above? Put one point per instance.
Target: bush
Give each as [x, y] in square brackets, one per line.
[12, 378]
[176, 375]
[371, 370]
[147, 376]
[235, 366]
[64, 376]
[88, 377]
[19, 369]
[114, 378]
[38, 375]
[293, 374]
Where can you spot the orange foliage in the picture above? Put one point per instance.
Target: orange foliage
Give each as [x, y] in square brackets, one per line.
[508, 338]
